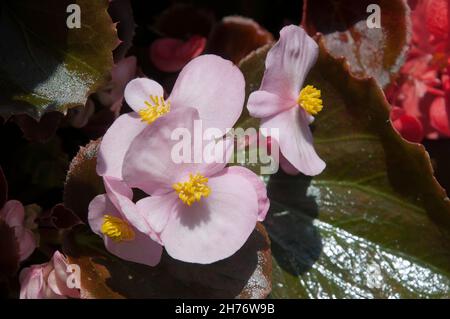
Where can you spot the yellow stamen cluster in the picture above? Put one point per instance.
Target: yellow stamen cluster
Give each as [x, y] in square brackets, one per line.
[154, 109]
[309, 99]
[192, 190]
[117, 229]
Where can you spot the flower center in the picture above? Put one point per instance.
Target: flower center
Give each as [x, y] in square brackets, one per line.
[309, 99]
[154, 109]
[192, 190]
[117, 229]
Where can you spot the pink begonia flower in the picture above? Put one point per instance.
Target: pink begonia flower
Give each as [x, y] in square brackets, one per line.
[287, 167]
[48, 280]
[201, 212]
[115, 218]
[13, 213]
[210, 84]
[122, 73]
[282, 104]
[171, 55]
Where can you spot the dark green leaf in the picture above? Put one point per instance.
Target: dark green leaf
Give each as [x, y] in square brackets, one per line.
[46, 66]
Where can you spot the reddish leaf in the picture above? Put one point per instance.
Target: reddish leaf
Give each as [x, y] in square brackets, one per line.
[39, 130]
[60, 217]
[375, 52]
[83, 183]
[235, 37]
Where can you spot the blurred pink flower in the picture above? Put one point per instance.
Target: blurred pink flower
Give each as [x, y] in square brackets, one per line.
[13, 214]
[422, 89]
[282, 104]
[201, 212]
[122, 73]
[47, 281]
[171, 55]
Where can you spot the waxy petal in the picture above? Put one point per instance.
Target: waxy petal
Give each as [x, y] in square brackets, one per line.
[215, 87]
[288, 62]
[139, 90]
[121, 196]
[97, 209]
[295, 140]
[157, 211]
[142, 249]
[217, 226]
[258, 186]
[116, 142]
[149, 163]
[264, 104]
